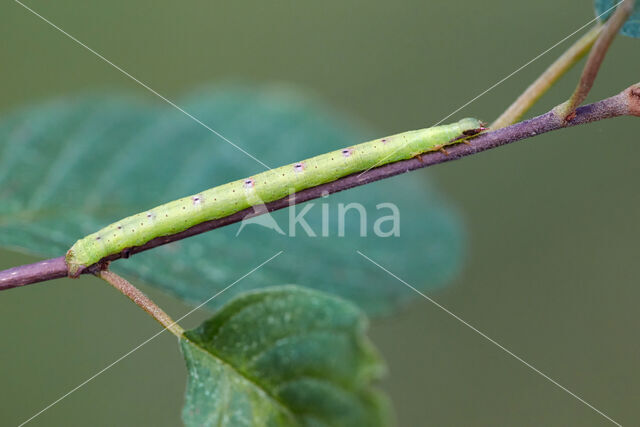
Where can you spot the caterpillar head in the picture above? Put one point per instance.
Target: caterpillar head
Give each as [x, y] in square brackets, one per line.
[471, 126]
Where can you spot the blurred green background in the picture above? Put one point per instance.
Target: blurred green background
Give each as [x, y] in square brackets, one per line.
[552, 222]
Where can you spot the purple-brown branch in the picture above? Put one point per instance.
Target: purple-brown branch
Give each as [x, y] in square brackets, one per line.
[625, 103]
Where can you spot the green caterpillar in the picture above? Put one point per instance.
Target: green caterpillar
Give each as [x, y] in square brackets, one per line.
[274, 184]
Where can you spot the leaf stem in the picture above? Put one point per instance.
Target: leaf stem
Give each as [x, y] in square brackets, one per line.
[542, 84]
[595, 59]
[626, 103]
[141, 300]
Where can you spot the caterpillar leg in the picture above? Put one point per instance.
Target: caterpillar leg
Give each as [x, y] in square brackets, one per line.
[441, 149]
[418, 155]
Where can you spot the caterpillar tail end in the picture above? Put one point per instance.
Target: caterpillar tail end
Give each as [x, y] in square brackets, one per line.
[74, 269]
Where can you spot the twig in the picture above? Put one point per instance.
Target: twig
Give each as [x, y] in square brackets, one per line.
[135, 295]
[542, 84]
[625, 103]
[49, 269]
[594, 61]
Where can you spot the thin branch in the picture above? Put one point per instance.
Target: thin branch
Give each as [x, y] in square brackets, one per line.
[594, 61]
[542, 84]
[135, 295]
[625, 103]
[49, 269]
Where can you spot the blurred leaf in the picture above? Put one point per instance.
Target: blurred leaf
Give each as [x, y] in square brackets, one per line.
[631, 28]
[283, 356]
[72, 166]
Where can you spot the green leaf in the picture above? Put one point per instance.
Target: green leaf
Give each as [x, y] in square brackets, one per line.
[283, 356]
[631, 28]
[74, 165]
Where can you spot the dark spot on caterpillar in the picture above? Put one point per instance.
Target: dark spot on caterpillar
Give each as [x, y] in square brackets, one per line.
[248, 183]
[184, 207]
[126, 253]
[141, 224]
[384, 140]
[298, 167]
[98, 238]
[119, 227]
[197, 199]
[346, 152]
[149, 215]
[166, 215]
